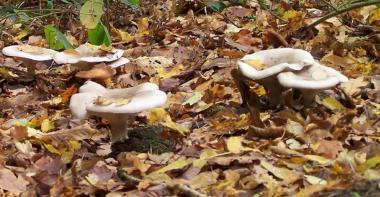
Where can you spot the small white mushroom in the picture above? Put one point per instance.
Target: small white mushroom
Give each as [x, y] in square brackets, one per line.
[116, 105]
[30, 55]
[87, 54]
[263, 67]
[311, 79]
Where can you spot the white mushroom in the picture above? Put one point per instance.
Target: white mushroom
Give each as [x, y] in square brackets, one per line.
[263, 67]
[87, 54]
[119, 62]
[116, 105]
[30, 55]
[311, 79]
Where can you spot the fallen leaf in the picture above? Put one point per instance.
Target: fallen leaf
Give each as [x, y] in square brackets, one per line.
[9, 181]
[235, 145]
[329, 149]
[163, 117]
[332, 104]
[179, 164]
[282, 173]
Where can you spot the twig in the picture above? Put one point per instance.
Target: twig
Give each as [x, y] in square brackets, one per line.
[221, 14]
[340, 11]
[188, 191]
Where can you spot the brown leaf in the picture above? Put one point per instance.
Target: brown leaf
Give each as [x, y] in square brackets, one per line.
[329, 149]
[9, 181]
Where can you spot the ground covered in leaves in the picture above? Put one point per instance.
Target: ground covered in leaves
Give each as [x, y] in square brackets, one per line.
[201, 143]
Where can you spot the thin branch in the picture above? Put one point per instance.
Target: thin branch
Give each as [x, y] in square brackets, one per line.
[221, 14]
[340, 11]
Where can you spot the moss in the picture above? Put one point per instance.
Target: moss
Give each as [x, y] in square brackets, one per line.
[146, 139]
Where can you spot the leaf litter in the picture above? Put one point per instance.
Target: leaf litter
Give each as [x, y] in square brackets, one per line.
[318, 150]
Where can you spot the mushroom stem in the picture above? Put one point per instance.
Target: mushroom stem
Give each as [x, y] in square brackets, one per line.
[308, 96]
[30, 66]
[119, 127]
[274, 89]
[250, 100]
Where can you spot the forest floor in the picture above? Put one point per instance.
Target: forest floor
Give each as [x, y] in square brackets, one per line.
[202, 142]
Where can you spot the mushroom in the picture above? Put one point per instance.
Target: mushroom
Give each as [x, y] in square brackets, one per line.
[119, 62]
[116, 105]
[87, 54]
[30, 55]
[311, 79]
[263, 67]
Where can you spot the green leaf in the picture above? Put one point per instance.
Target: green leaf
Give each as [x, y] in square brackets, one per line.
[99, 35]
[264, 4]
[56, 39]
[91, 12]
[132, 3]
[216, 5]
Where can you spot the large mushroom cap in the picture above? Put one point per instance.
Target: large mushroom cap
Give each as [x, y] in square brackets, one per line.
[140, 101]
[29, 52]
[269, 62]
[316, 76]
[136, 99]
[79, 102]
[87, 53]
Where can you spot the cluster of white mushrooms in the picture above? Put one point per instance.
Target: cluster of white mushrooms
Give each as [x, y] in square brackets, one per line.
[116, 105]
[84, 55]
[275, 69]
[282, 68]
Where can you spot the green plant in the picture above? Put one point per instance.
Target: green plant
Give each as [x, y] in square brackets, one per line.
[56, 39]
[99, 35]
[90, 16]
[132, 3]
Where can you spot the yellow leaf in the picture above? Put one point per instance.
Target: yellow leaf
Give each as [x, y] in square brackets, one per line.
[22, 34]
[228, 185]
[52, 149]
[256, 63]
[143, 27]
[179, 164]
[374, 16]
[161, 116]
[235, 145]
[290, 14]
[315, 180]
[46, 125]
[74, 145]
[92, 178]
[282, 173]
[332, 104]
[316, 158]
[163, 73]
[195, 98]
[205, 155]
[66, 156]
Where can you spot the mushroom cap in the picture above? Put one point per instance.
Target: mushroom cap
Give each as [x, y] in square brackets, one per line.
[79, 102]
[142, 97]
[275, 61]
[29, 52]
[315, 77]
[87, 53]
[140, 101]
[119, 62]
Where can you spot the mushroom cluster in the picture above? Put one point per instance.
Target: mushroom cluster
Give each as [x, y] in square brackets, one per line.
[84, 56]
[282, 68]
[115, 105]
